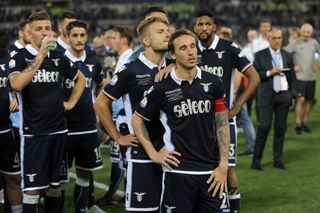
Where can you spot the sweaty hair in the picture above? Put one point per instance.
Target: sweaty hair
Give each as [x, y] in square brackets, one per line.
[67, 15]
[23, 24]
[39, 16]
[124, 32]
[75, 24]
[147, 22]
[205, 12]
[154, 9]
[178, 34]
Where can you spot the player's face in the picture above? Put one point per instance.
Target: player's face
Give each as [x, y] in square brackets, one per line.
[25, 34]
[185, 51]
[204, 28]
[39, 30]
[265, 27]
[63, 26]
[158, 36]
[115, 42]
[78, 38]
[275, 39]
[306, 33]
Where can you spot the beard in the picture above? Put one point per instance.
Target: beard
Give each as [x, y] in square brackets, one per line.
[204, 39]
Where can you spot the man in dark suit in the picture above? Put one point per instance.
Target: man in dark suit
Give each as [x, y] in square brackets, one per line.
[276, 70]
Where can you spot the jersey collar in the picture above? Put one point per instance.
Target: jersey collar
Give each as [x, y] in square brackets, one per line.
[62, 43]
[17, 44]
[31, 50]
[174, 76]
[212, 46]
[73, 58]
[148, 63]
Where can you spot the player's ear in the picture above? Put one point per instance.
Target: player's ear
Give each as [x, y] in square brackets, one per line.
[172, 54]
[146, 41]
[214, 27]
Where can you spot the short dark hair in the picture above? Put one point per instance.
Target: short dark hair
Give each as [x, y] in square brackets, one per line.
[67, 15]
[124, 32]
[178, 34]
[23, 24]
[205, 12]
[74, 24]
[154, 9]
[39, 16]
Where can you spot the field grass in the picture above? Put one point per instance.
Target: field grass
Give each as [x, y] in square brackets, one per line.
[295, 190]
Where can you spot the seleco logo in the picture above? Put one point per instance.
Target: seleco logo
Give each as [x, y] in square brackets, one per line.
[192, 107]
[218, 71]
[43, 76]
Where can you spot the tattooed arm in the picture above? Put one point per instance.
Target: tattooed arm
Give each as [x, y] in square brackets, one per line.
[19, 80]
[164, 157]
[218, 178]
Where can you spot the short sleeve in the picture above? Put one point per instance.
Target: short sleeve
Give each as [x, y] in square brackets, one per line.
[70, 69]
[119, 84]
[239, 59]
[99, 74]
[150, 104]
[17, 63]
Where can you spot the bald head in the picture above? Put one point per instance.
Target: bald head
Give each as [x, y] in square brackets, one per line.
[275, 38]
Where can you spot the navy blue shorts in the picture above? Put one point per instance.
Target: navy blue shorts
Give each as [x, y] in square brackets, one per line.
[233, 145]
[144, 183]
[9, 154]
[185, 193]
[41, 161]
[85, 149]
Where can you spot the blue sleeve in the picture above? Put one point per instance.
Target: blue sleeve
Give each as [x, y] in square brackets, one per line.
[99, 74]
[119, 84]
[239, 59]
[150, 105]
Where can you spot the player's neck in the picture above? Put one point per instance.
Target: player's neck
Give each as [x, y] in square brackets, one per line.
[76, 53]
[122, 50]
[64, 39]
[208, 43]
[154, 57]
[186, 73]
[21, 42]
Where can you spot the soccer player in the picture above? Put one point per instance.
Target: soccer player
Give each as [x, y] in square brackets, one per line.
[37, 74]
[120, 44]
[82, 139]
[193, 109]
[150, 12]
[220, 57]
[63, 20]
[131, 82]
[23, 39]
[9, 152]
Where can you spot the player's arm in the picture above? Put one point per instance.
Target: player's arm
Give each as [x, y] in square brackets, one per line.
[163, 157]
[218, 178]
[102, 107]
[254, 81]
[21, 78]
[14, 104]
[79, 84]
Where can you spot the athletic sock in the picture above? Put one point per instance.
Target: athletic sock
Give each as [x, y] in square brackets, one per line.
[81, 194]
[234, 201]
[30, 203]
[91, 192]
[52, 200]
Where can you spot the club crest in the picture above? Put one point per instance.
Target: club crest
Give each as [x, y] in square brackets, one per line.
[220, 54]
[90, 67]
[144, 102]
[139, 196]
[206, 86]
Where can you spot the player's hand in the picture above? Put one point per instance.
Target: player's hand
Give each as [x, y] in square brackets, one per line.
[128, 140]
[67, 106]
[14, 105]
[46, 42]
[234, 111]
[166, 158]
[163, 74]
[218, 180]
